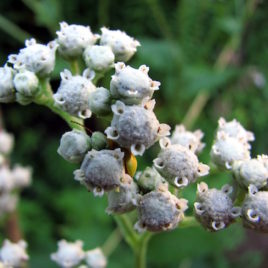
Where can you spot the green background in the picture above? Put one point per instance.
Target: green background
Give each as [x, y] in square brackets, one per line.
[183, 42]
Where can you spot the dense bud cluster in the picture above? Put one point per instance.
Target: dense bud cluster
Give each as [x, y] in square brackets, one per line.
[13, 255]
[214, 208]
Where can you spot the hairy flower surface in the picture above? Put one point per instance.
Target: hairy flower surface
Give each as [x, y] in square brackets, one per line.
[178, 165]
[7, 92]
[214, 208]
[135, 127]
[160, 211]
[68, 254]
[74, 145]
[132, 85]
[73, 94]
[73, 39]
[124, 199]
[99, 58]
[226, 150]
[251, 171]
[101, 170]
[13, 254]
[188, 139]
[122, 45]
[95, 258]
[255, 210]
[35, 57]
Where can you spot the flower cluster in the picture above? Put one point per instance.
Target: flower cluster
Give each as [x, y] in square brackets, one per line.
[71, 254]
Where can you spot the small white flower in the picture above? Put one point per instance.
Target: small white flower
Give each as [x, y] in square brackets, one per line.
[73, 93]
[131, 85]
[6, 142]
[73, 39]
[14, 254]
[7, 182]
[35, 57]
[191, 140]
[26, 83]
[8, 202]
[68, 254]
[22, 176]
[99, 58]
[123, 46]
[7, 92]
[95, 258]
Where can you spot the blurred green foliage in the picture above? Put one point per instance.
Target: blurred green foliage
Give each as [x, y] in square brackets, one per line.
[181, 43]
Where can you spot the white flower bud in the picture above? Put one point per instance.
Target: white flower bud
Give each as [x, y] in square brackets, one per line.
[214, 208]
[228, 149]
[131, 85]
[6, 142]
[73, 94]
[95, 258]
[36, 58]
[100, 101]
[124, 199]
[74, 145]
[14, 254]
[8, 202]
[99, 58]
[160, 211]
[73, 39]
[235, 129]
[26, 83]
[7, 182]
[255, 210]
[178, 165]
[149, 179]
[101, 170]
[123, 46]
[22, 176]
[99, 141]
[7, 92]
[135, 127]
[68, 254]
[191, 140]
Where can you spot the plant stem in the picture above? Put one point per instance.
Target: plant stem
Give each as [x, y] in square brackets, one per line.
[188, 221]
[141, 250]
[74, 65]
[45, 98]
[112, 242]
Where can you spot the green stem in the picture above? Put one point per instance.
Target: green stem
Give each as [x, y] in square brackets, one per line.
[188, 221]
[141, 250]
[45, 98]
[74, 65]
[112, 242]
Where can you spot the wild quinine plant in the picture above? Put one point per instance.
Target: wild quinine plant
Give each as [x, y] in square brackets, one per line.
[108, 160]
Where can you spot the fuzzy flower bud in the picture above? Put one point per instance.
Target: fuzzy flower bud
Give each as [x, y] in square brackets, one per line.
[6, 142]
[22, 176]
[99, 58]
[252, 171]
[124, 199]
[122, 45]
[131, 85]
[149, 179]
[26, 83]
[73, 94]
[214, 208]
[14, 254]
[8, 202]
[160, 211]
[99, 141]
[227, 149]
[235, 129]
[7, 182]
[100, 101]
[101, 170]
[178, 165]
[135, 127]
[73, 39]
[188, 139]
[7, 92]
[95, 258]
[36, 58]
[74, 146]
[68, 254]
[255, 210]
